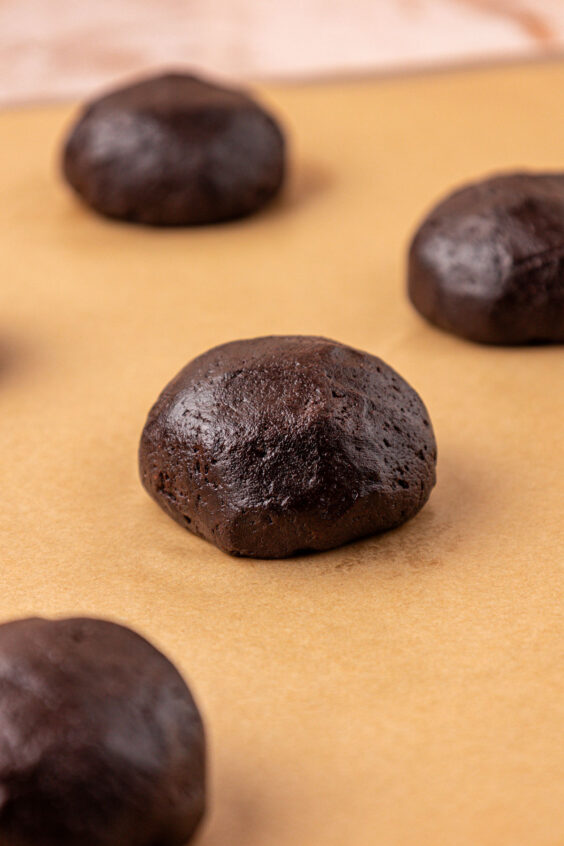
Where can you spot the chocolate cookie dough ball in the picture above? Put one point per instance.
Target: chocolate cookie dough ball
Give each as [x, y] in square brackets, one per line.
[488, 262]
[175, 150]
[278, 445]
[101, 743]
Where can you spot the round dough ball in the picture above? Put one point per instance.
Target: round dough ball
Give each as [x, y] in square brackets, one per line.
[100, 740]
[175, 150]
[279, 445]
[488, 262]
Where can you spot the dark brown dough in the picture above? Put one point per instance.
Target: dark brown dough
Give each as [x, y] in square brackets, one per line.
[101, 743]
[175, 150]
[488, 262]
[278, 445]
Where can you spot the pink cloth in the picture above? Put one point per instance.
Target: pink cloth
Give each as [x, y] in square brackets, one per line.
[67, 48]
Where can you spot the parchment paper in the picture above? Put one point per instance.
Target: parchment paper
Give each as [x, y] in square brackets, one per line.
[403, 691]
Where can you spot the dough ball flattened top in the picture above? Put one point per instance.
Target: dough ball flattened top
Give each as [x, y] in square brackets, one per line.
[100, 739]
[276, 445]
[488, 262]
[175, 150]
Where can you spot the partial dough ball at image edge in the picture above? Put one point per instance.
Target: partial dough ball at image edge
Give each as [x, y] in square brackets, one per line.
[487, 263]
[280, 445]
[101, 742]
[175, 150]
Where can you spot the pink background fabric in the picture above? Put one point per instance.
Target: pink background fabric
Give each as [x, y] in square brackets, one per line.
[66, 49]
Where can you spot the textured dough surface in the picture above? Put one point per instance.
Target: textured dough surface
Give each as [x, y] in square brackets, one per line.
[101, 742]
[277, 445]
[175, 150]
[488, 262]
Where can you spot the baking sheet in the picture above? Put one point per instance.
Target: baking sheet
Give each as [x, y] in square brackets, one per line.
[406, 690]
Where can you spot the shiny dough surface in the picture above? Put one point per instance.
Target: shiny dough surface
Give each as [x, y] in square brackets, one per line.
[407, 690]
